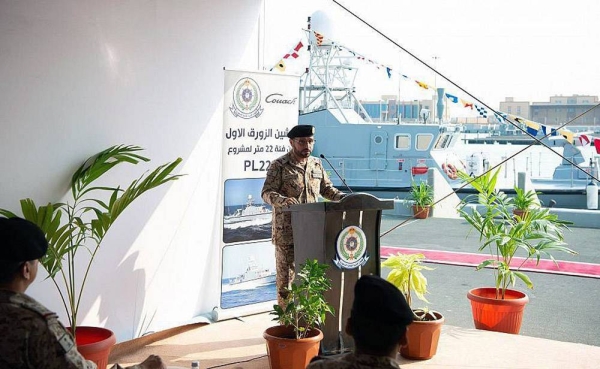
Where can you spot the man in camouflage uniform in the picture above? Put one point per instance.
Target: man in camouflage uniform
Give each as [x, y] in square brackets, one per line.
[32, 337]
[377, 322]
[294, 178]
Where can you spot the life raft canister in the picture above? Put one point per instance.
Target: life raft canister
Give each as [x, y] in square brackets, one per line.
[450, 170]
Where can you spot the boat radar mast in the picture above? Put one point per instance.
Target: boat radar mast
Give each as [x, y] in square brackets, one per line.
[329, 79]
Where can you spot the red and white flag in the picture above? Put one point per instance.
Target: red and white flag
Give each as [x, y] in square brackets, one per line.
[294, 54]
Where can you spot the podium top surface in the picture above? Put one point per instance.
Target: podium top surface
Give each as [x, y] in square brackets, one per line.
[353, 201]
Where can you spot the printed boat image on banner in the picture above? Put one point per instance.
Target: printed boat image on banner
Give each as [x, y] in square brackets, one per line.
[245, 218]
[249, 213]
[248, 274]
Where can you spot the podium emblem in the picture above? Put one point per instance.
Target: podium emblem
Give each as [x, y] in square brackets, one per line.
[351, 248]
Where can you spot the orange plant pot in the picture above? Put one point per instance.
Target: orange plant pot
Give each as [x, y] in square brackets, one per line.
[423, 338]
[420, 212]
[95, 343]
[286, 352]
[499, 315]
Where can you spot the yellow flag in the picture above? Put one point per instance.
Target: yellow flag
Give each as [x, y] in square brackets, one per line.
[280, 66]
[568, 135]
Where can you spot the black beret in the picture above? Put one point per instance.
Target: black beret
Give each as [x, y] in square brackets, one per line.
[21, 240]
[301, 130]
[380, 301]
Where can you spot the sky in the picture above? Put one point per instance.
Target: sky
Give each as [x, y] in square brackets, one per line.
[525, 49]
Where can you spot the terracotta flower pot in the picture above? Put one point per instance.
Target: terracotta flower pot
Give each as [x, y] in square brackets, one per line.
[520, 213]
[420, 212]
[423, 338]
[95, 343]
[500, 315]
[286, 352]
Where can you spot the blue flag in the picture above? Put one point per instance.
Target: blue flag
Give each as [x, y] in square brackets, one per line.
[453, 98]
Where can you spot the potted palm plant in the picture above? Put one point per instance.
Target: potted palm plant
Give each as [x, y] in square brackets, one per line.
[296, 340]
[424, 333]
[75, 230]
[502, 236]
[421, 197]
[524, 200]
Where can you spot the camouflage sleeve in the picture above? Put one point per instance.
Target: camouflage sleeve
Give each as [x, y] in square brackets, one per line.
[46, 352]
[327, 190]
[270, 191]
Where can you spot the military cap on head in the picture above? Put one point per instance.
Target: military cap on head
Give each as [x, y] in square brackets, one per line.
[301, 130]
[380, 301]
[21, 240]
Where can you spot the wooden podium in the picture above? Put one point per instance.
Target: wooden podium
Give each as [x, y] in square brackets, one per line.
[320, 230]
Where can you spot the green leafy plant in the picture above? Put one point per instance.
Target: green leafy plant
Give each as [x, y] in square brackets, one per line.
[502, 235]
[81, 225]
[524, 200]
[306, 307]
[421, 194]
[406, 274]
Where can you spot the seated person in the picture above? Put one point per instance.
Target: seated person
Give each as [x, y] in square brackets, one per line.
[377, 322]
[32, 336]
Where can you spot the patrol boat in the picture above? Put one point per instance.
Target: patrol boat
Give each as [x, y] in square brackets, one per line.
[251, 278]
[370, 156]
[249, 213]
[385, 157]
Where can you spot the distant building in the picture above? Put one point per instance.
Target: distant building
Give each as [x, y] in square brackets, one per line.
[559, 110]
[520, 108]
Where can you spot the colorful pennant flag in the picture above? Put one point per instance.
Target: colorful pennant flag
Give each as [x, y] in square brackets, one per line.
[583, 140]
[466, 104]
[319, 38]
[481, 110]
[294, 54]
[597, 145]
[452, 98]
[422, 85]
[568, 135]
[532, 128]
[280, 66]
[500, 117]
[389, 72]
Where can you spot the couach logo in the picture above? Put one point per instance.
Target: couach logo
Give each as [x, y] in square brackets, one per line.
[278, 99]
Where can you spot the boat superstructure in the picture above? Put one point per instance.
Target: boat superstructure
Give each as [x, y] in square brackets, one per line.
[370, 156]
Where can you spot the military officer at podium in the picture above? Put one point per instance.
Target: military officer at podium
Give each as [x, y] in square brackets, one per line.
[294, 178]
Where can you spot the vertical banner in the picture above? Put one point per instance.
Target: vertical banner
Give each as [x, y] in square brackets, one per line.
[259, 110]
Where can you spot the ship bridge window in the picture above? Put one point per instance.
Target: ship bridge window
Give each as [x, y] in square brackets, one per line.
[443, 141]
[402, 142]
[423, 141]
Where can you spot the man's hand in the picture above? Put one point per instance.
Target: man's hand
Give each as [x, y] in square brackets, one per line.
[153, 362]
[290, 201]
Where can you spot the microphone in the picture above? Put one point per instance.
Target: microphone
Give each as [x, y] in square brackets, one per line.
[336, 172]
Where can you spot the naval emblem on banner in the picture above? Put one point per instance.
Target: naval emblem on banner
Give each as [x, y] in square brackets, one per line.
[351, 248]
[246, 99]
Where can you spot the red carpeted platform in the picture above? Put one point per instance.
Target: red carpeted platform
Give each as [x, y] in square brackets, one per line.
[468, 259]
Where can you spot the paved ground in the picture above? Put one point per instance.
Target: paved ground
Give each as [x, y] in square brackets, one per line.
[562, 308]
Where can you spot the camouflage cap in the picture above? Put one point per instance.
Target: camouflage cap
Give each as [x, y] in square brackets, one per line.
[301, 130]
[380, 301]
[21, 240]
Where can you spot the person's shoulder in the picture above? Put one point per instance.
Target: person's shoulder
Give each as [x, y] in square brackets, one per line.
[331, 362]
[282, 160]
[315, 162]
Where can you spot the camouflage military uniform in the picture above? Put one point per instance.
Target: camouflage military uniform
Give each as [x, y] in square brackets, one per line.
[32, 337]
[355, 361]
[288, 178]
